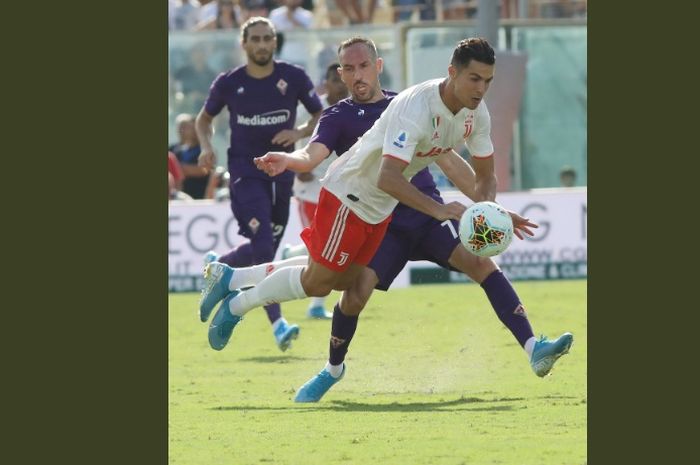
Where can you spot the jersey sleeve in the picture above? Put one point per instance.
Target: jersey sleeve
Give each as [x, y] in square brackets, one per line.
[215, 102]
[327, 131]
[479, 141]
[402, 133]
[308, 96]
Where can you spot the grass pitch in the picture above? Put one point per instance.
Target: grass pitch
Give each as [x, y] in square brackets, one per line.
[433, 378]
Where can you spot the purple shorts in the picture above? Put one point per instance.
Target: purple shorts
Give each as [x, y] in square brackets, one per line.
[429, 239]
[261, 207]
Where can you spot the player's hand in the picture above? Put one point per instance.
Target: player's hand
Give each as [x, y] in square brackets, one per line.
[286, 137]
[207, 160]
[272, 163]
[521, 225]
[451, 211]
[305, 177]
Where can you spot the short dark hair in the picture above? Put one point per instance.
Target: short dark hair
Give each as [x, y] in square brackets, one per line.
[255, 20]
[359, 40]
[332, 70]
[474, 48]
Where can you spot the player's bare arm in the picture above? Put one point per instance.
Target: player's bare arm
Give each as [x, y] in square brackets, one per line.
[486, 182]
[288, 137]
[203, 127]
[463, 176]
[392, 181]
[459, 172]
[301, 161]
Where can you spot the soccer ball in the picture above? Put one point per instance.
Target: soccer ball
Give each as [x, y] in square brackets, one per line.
[486, 229]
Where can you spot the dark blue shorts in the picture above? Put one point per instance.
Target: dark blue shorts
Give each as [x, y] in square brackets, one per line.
[429, 239]
[261, 207]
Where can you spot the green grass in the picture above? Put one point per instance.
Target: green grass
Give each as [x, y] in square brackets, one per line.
[433, 378]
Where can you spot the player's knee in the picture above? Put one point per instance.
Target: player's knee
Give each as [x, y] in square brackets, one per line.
[353, 303]
[316, 289]
[477, 268]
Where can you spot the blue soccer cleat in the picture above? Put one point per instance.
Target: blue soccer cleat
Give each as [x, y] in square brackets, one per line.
[222, 324]
[319, 313]
[285, 333]
[545, 353]
[209, 257]
[216, 278]
[317, 386]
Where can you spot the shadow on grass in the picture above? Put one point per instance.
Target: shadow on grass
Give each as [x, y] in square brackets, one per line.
[462, 404]
[275, 359]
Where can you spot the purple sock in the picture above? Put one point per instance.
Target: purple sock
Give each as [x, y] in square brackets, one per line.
[507, 305]
[274, 312]
[342, 330]
[239, 257]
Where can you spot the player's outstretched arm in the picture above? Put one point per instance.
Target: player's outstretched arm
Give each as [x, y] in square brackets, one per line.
[459, 172]
[392, 181]
[301, 161]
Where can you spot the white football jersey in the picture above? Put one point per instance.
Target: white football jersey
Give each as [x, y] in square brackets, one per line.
[416, 128]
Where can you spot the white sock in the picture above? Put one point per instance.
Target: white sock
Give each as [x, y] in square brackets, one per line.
[297, 250]
[277, 323]
[252, 275]
[316, 302]
[334, 370]
[281, 286]
[529, 345]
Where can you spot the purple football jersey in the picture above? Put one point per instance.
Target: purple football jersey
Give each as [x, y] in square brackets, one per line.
[259, 109]
[343, 123]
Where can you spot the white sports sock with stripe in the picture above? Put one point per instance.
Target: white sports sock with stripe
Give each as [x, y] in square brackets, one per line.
[281, 286]
[252, 275]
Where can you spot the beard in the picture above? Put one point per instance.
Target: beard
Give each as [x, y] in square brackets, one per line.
[260, 60]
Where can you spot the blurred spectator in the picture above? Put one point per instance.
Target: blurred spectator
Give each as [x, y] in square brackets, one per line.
[175, 178]
[207, 12]
[187, 152]
[193, 79]
[186, 15]
[218, 188]
[251, 8]
[172, 4]
[354, 12]
[458, 9]
[175, 171]
[567, 176]
[228, 16]
[173, 192]
[289, 17]
[403, 9]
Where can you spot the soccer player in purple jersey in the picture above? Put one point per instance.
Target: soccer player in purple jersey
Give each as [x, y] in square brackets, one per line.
[261, 97]
[412, 235]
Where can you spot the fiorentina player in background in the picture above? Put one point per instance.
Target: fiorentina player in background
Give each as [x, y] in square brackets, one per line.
[261, 97]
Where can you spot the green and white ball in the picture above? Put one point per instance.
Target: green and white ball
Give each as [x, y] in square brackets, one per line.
[486, 229]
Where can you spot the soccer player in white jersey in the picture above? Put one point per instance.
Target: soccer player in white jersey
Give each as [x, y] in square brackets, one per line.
[421, 125]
